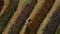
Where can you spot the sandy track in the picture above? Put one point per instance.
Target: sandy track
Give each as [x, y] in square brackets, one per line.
[6, 4]
[15, 16]
[44, 23]
[32, 15]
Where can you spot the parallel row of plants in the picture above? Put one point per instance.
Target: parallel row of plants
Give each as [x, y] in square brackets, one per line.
[35, 23]
[8, 14]
[23, 16]
[53, 23]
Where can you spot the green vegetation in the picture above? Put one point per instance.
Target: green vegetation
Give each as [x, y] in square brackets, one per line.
[28, 1]
[58, 30]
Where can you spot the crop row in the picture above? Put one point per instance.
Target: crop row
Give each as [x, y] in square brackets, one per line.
[23, 16]
[7, 15]
[53, 23]
[35, 23]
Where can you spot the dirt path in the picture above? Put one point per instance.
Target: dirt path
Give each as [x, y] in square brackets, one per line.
[6, 4]
[44, 23]
[15, 16]
[32, 15]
